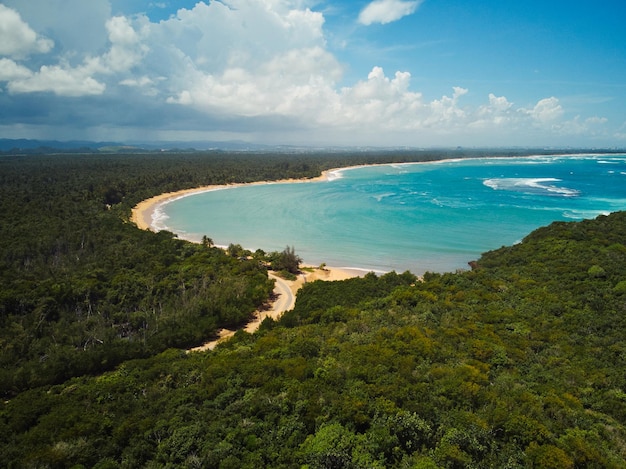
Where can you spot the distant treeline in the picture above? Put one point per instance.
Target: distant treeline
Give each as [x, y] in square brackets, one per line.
[23, 146]
[520, 362]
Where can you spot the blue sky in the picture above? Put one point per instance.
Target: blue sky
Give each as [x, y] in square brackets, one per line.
[389, 72]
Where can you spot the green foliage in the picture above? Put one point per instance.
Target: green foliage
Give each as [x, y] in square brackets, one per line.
[285, 274]
[286, 261]
[596, 271]
[620, 288]
[519, 363]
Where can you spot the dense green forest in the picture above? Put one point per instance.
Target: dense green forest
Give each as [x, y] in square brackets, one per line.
[519, 362]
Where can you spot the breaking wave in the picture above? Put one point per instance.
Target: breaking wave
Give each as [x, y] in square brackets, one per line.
[536, 186]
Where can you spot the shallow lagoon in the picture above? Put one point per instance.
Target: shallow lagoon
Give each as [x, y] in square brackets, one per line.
[420, 217]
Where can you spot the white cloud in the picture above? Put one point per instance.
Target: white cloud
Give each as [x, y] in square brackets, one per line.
[137, 82]
[300, 85]
[72, 82]
[126, 50]
[546, 110]
[126, 47]
[209, 60]
[620, 134]
[445, 112]
[17, 39]
[77, 27]
[9, 70]
[387, 11]
[498, 104]
[239, 33]
[288, 84]
[590, 127]
[146, 85]
[499, 111]
[120, 31]
[217, 62]
[379, 101]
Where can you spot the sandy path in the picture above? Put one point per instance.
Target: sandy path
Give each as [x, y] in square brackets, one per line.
[285, 301]
[285, 291]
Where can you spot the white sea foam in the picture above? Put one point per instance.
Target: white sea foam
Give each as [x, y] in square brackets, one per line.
[584, 214]
[159, 217]
[530, 185]
[380, 197]
[618, 203]
[334, 175]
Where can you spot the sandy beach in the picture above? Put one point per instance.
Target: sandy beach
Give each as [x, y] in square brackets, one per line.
[142, 213]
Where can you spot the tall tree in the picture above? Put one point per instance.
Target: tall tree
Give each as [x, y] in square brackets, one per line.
[288, 260]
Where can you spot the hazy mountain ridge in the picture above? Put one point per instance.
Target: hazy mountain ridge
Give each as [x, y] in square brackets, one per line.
[21, 146]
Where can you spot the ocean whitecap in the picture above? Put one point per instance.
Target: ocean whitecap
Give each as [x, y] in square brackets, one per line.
[537, 186]
[380, 197]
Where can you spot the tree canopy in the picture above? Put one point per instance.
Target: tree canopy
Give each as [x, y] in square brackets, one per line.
[519, 362]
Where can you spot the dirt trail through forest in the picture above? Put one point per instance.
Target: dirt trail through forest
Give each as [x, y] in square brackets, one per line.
[285, 294]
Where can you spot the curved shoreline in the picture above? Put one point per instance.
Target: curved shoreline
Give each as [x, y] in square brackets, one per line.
[142, 213]
[142, 216]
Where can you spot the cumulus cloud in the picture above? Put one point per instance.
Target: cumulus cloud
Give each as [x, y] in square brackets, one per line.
[77, 27]
[377, 101]
[289, 84]
[71, 82]
[498, 111]
[208, 67]
[387, 11]
[126, 48]
[9, 70]
[222, 66]
[498, 104]
[17, 39]
[125, 51]
[547, 110]
[446, 110]
[236, 33]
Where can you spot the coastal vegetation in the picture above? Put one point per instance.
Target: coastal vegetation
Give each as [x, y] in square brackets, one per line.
[518, 362]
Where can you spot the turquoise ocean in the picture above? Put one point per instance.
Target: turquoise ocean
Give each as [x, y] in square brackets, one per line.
[420, 217]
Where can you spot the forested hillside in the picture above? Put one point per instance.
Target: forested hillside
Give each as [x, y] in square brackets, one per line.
[520, 362]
